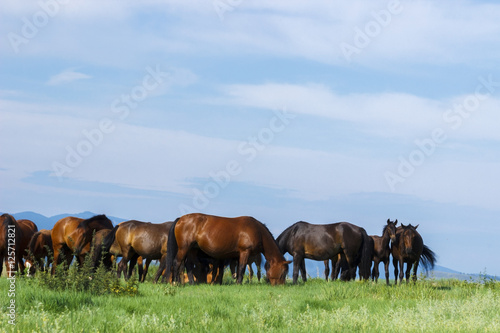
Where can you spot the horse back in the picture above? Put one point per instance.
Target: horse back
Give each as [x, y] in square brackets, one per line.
[147, 239]
[63, 229]
[219, 236]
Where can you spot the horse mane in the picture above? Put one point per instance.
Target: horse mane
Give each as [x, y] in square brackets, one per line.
[269, 231]
[86, 222]
[33, 241]
[283, 237]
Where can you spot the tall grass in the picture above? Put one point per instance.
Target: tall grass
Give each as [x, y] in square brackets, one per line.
[430, 305]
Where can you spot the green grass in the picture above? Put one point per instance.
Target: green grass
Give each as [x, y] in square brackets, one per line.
[315, 306]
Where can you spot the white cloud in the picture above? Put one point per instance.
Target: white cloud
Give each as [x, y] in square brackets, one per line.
[66, 76]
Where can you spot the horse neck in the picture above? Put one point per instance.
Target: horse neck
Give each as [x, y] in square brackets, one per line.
[386, 238]
[270, 248]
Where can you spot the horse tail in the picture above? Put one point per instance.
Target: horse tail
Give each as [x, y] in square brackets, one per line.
[172, 248]
[428, 258]
[105, 246]
[366, 256]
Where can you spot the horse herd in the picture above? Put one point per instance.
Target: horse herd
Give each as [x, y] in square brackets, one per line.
[202, 245]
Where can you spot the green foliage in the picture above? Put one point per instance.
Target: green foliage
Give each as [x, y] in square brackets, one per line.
[85, 278]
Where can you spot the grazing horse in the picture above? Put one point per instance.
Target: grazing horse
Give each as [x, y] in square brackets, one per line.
[9, 237]
[224, 238]
[27, 229]
[14, 239]
[73, 236]
[107, 258]
[40, 249]
[134, 239]
[382, 250]
[321, 242]
[409, 248]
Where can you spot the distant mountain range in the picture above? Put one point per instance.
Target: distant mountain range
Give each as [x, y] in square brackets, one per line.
[44, 222]
[314, 268]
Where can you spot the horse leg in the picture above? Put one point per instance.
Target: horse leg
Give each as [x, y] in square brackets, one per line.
[395, 264]
[414, 273]
[219, 268]
[242, 264]
[375, 271]
[131, 265]
[146, 267]
[401, 270]
[161, 268]
[296, 265]
[327, 268]
[386, 266]
[302, 268]
[408, 271]
[250, 272]
[122, 267]
[140, 268]
[191, 262]
[56, 259]
[178, 263]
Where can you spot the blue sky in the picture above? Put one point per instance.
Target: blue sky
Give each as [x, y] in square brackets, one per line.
[320, 111]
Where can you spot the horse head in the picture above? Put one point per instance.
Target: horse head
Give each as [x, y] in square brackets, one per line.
[390, 228]
[276, 271]
[409, 233]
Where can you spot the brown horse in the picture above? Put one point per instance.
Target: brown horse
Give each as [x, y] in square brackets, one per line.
[40, 249]
[27, 229]
[14, 240]
[224, 238]
[409, 248]
[325, 241]
[9, 237]
[73, 236]
[108, 258]
[382, 251]
[134, 239]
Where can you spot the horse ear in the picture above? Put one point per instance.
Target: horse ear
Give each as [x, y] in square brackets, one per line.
[388, 221]
[403, 225]
[417, 226]
[396, 222]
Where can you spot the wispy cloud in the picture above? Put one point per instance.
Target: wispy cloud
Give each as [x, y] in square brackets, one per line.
[66, 76]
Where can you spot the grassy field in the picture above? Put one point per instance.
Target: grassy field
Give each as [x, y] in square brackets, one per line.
[315, 306]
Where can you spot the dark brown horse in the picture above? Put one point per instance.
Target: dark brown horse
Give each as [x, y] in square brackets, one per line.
[14, 239]
[224, 238]
[40, 249]
[27, 229]
[73, 236]
[133, 239]
[409, 248]
[9, 237]
[382, 250]
[325, 241]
